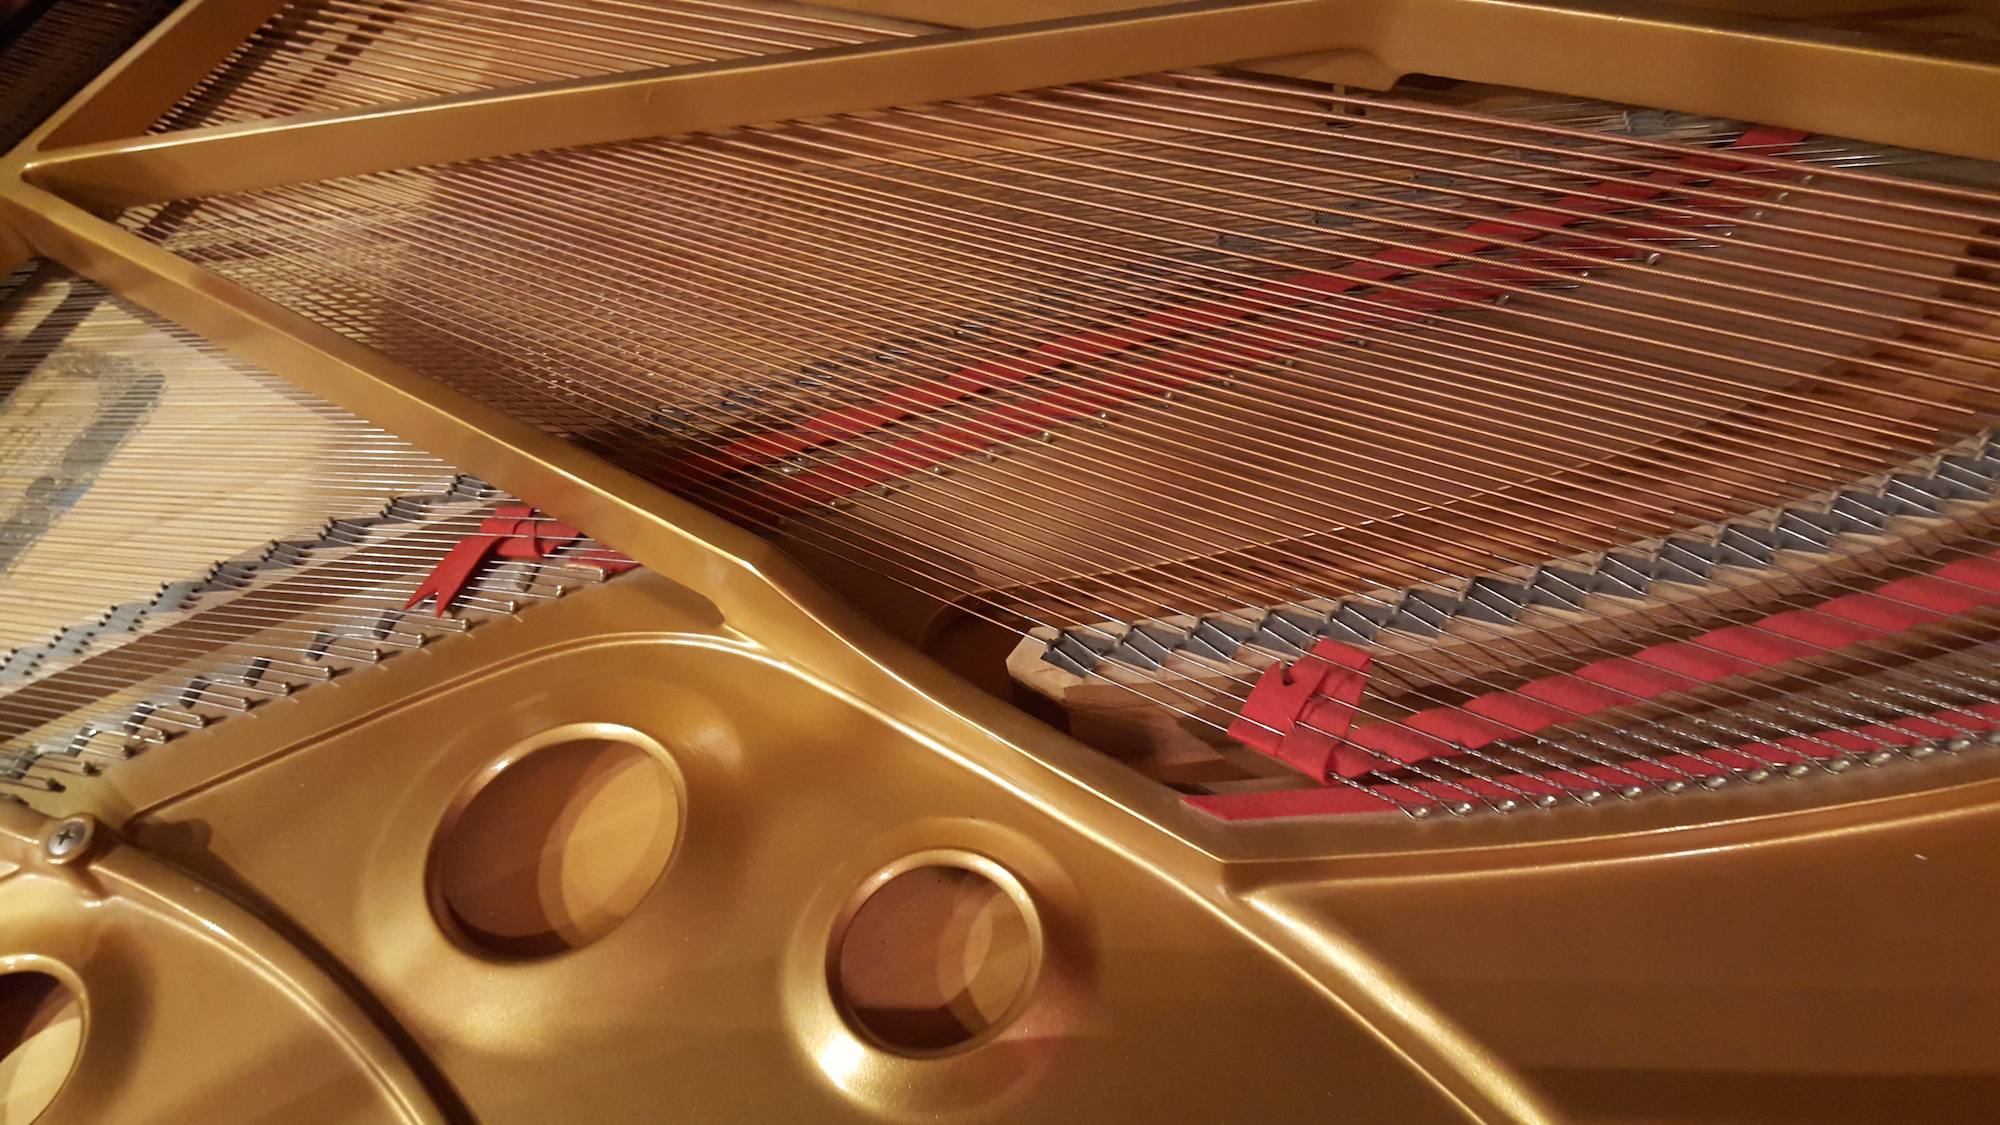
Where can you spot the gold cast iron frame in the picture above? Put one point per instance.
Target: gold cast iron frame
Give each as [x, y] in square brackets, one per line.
[92, 160]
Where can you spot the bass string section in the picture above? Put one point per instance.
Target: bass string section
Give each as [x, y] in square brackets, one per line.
[1165, 382]
[183, 538]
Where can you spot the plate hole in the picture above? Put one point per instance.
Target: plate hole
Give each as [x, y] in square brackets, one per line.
[558, 847]
[41, 1033]
[934, 958]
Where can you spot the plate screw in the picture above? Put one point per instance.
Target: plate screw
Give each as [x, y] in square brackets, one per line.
[69, 839]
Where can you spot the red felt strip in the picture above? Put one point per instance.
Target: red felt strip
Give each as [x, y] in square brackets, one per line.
[1886, 614]
[1938, 593]
[1573, 694]
[1300, 712]
[1755, 645]
[510, 533]
[1346, 800]
[1819, 629]
[1982, 571]
[1661, 669]
[1517, 712]
[1461, 725]
[1635, 678]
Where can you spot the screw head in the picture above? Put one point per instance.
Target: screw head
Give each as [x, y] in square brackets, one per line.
[69, 839]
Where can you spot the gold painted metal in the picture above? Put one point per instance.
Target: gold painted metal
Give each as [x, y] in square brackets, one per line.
[1332, 971]
[42, 1038]
[931, 965]
[1803, 78]
[1368, 65]
[553, 844]
[171, 59]
[797, 794]
[222, 992]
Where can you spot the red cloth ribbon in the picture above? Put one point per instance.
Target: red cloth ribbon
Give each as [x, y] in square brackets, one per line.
[511, 533]
[1301, 713]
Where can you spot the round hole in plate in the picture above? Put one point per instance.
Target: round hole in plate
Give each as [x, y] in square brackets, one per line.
[41, 1033]
[937, 956]
[557, 845]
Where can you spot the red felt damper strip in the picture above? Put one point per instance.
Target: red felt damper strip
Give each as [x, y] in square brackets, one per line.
[1378, 310]
[1735, 650]
[1350, 799]
[1300, 712]
[1617, 682]
[510, 533]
